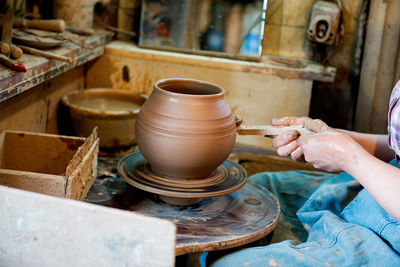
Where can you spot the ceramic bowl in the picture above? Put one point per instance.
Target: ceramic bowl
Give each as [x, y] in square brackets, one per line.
[113, 111]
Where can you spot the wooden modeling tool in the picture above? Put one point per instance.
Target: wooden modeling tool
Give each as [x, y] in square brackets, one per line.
[35, 51]
[83, 31]
[271, 131]
[4, 48]
[16, 52]
[55, 25]
[12, 64]
[268, 130]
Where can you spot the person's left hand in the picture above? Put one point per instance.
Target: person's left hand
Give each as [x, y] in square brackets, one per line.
[327, 148]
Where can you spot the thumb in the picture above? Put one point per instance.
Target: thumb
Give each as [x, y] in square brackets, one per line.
[287, 121]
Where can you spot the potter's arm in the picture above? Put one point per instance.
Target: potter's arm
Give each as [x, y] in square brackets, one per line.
[375, 144]
[382, 180]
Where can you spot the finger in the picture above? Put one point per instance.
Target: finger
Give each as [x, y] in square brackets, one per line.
[287, 121]
[302, 142]
[297, 153]
[316, 126]
[287, 149]
[284, 139]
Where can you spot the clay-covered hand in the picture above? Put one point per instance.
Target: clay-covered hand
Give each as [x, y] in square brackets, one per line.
[329, 149]
[286, 143]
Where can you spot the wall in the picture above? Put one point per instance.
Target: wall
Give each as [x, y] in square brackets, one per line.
[380, 67]
[285, 35]
[36, 109]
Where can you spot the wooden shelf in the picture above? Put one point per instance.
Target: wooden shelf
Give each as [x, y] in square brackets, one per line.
[290, 68]
[41, 69]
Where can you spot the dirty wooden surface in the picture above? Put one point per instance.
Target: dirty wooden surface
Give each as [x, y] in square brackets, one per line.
[215, 223]
[40, 69]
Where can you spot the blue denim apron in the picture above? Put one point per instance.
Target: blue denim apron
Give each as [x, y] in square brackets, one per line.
[337, 223]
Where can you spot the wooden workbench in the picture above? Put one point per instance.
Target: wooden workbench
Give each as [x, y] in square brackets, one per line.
[41, 69]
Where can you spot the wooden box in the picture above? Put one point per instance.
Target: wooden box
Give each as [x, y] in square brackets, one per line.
[55, 165]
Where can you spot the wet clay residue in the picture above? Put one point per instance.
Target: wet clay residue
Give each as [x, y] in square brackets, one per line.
[107, 104]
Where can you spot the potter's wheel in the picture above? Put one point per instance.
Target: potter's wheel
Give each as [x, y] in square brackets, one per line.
[227, 178]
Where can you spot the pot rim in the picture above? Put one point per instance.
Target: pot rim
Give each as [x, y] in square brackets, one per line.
[67, 101]
[185, 80]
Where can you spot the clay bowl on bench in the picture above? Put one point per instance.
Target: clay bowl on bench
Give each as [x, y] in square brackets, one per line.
[113, 111]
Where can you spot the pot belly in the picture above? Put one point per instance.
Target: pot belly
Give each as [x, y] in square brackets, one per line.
[184, 155]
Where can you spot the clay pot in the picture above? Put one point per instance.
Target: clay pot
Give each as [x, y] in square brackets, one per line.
[186, 128]
[113, 111]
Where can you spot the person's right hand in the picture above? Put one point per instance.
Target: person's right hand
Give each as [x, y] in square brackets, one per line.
[286, 143]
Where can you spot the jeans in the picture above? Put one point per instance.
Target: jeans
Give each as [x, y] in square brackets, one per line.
[337, 223]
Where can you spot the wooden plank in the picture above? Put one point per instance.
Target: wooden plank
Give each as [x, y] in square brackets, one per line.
[370, 65]
[53, 185]
[36, 152]
[397, 73]
[82, 178]
[40, 69]
[379, 66]
[282, 67]
[387, 68]
[81, 152]
[40, 230]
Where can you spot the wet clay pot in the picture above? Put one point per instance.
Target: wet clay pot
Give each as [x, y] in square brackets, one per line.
[186, 128]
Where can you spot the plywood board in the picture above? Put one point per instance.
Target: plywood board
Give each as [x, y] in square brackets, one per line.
[39, 230]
